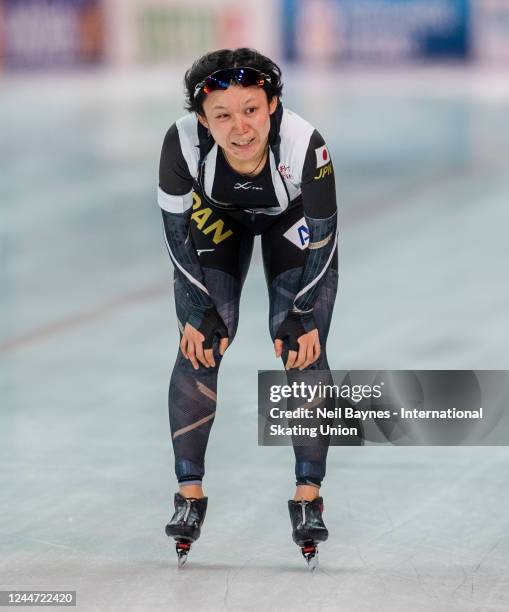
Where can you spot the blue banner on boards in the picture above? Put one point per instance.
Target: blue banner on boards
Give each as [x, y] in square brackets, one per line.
[375, 30]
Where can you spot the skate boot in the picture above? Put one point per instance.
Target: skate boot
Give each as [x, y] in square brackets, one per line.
[308, 528]
[185, 524]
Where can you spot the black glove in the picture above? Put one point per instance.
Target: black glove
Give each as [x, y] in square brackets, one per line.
[209, 323]
[294, 326]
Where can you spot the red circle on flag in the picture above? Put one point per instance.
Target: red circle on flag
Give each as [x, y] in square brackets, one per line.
[325, 155]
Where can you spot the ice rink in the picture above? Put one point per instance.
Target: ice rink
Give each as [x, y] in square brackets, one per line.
[89, 337]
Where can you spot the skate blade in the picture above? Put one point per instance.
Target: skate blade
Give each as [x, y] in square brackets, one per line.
[310, 553]
[182, 549]
[312, 563]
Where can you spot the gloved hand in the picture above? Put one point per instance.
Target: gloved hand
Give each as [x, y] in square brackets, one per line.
[198, 335]
[209, 323]
[294, 326]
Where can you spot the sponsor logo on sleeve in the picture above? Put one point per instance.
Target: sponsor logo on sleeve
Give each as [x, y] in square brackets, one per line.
[298, 234]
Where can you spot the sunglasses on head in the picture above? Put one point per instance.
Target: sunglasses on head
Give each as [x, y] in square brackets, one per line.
[222, 79]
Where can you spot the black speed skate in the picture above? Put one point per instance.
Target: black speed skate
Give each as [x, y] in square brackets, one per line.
[308, 528]
[185, 524]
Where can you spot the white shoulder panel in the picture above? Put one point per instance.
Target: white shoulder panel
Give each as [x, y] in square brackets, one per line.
[187, 127]
[210, 170]
[174, 203]
[295, 134]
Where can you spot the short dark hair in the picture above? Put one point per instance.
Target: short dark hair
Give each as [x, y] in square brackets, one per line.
[229, 58]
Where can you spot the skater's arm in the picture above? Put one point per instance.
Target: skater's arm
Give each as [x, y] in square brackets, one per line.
[175, 197]
[320, 212]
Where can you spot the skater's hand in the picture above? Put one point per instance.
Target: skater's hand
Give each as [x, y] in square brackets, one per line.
[191, 346]
[300, 333]
[308, 353]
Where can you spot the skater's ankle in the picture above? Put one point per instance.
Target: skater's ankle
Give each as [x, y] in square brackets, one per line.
[306, 492]
[195, 491]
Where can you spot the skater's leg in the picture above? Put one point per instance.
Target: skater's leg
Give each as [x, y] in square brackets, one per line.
[192, 405]
[283, 262]
[224, 259]
[311, 453]
[192, 393]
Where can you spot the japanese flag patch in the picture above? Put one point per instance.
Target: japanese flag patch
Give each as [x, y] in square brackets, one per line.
[322, 156]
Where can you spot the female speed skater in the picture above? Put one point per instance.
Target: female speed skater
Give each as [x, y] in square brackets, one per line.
[239, 165]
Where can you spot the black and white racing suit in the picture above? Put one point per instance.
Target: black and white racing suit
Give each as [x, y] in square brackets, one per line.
[211, 215]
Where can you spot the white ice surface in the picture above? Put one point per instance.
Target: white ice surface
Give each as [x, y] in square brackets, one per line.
[88, 338]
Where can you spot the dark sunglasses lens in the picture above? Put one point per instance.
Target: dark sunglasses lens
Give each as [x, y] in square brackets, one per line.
[248, 77]
[216, 81]
[223, 78]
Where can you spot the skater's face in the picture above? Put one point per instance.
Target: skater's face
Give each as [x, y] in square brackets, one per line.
[239, 121]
